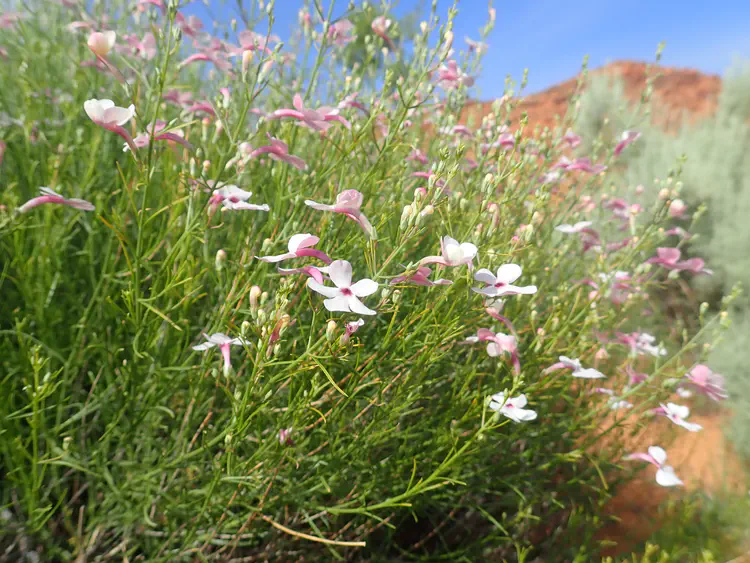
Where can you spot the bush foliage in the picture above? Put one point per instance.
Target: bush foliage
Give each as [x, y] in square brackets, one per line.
[120, 440]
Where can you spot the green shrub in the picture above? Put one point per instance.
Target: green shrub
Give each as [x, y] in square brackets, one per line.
[120, 440]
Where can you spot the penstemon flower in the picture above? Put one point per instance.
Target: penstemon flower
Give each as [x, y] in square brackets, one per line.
[501, 284]
[106, 114]
[345, 296]
[299, 246]
[677, 414]
[224, 343]
[347, 203]
[453, 254]
[512, 407]
[665, 475]
[49, 196]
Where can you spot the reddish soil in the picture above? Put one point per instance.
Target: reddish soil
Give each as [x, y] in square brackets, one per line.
[676, 91]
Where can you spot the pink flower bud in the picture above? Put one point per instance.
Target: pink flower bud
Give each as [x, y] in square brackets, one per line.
[101, 43]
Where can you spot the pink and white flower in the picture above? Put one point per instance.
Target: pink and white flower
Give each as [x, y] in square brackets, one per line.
[341, 32]
[677, 414]
[665, 475]
[702, 379]
[449, 76]
[345, 296]
[279, 150]
[420, 277]
[580, 227]
[502, 283]
[224, 343]
[498, 344]
[174, 136]
[49, 196]
[669, 258]
[285, 436]
[575, 366]
[299, 246]
[316, 119]
[234, 198]
[641, 343]
[106, 114]
[677, 209]
[101, 43]
[347, 203]
[512, 407]
[571, 139]
[349, 329]
[453, 254]
[381, 25]
[626, 138]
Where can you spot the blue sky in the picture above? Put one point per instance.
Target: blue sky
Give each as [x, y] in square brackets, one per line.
[551, 37]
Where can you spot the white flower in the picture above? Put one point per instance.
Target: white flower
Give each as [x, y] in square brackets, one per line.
[588, 373]
[501, 284]
[512, 407]
[105, 112]
[678, 414]
[577, 228]
[665, 475]
[344, 297]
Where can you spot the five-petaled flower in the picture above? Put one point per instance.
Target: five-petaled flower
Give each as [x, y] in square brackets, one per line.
[502, 283]
[574, 365]
[677, 414]
[512, 407]
[49, 196]
[669, 258]
[234, 198]
[453, 254]
[316, 119]
[704, 380]
[279, 150]
[224, 343]
[665, 475]
[345, 296]
[420, 277]
[498, 344]
[348, 203]
[299, 246]
[106, 114]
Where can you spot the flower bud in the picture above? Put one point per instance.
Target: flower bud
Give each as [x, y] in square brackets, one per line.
[221, 259]
[663, 194]
[255, 293]
[245, 328]
[101, 43]
[247, 57]
[331, 330]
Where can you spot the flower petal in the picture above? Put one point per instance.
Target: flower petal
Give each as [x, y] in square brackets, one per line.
[340, 272]
[666, 477]
[356, 306]
[364, 287]
[329, 292]
[508, 273]
[340, 303]
[485, 276]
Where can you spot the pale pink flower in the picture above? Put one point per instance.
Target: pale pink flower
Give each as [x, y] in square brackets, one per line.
[204, 107]
[571, 139]
[669, 258]
[316, 119]
[493, 307]
[576, 368]
[143, 139]
[349, 329]
[677, 414]
[476, 46]
[285, 436]
[345, 296]
[252, 41]
[192, 26]
[634, 377]
[512, 407]
[101, 43]
[418, 156]
[453, 254]
[145, 48]
[641, 343]
[310, 271]
[348, 203]
[665, 475]
[583, 163]
[613, 402]
[178, 97]
[449, 76]
[217, 58]
[502, 283]
[679, 232]
[581, 226]
[420, 277]
[341, 32]
[703, 379]
[505, 141]
[627, 138]
[106, 114]
[234, 198]
[299, 246]
[49, 196]
[224, 343]
[279, 150]
[350, 101]
[498, 344]
[143, 4]
[381, 25]
[677, 209]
